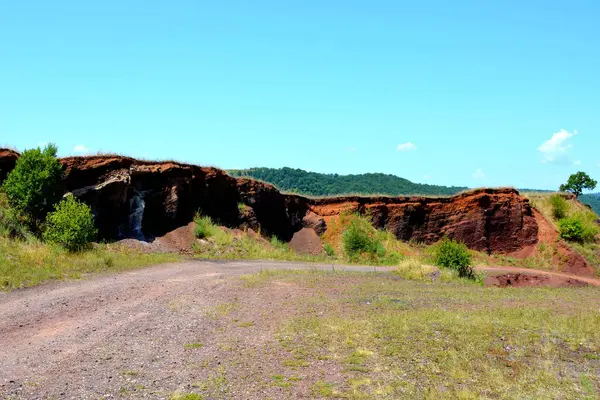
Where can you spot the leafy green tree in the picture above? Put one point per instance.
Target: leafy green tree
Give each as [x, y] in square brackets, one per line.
[577, 183]
[35, 184]
[71, 225]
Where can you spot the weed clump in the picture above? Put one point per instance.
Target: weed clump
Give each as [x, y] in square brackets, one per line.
[205, 227]
[559, 206]
[329, 250]
[454, 255]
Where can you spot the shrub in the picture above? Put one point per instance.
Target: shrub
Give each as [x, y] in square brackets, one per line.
[356, 240]
[71, 225]
[35, 184]
[559, 206]
[454, 255]
[571, 229]
[11, 225]
[329, 250]
[581, 227]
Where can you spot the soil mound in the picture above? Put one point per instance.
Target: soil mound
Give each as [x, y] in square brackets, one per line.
[306, 241]
[531, 280]
[180, 239]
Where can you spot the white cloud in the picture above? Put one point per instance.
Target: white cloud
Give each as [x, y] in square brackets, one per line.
[351, 149]
[427, 177]
[80, 149]
[577, 162]
[479, 174]
[408, 146]
[555, 150]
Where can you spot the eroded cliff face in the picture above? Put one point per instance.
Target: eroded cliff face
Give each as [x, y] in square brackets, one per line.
[8, 158]
[490, 220]
[144, 199]
[134, 198]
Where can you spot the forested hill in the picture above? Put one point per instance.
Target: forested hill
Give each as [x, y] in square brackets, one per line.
[316, 184]
[593, 200]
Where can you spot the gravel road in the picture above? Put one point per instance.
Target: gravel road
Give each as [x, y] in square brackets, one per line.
[89, 338]
[131, 335]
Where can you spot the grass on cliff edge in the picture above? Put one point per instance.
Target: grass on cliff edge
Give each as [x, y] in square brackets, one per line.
[543, 203]
[373, 336]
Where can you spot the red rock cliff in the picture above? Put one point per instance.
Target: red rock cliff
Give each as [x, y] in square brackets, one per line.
[131, 197]
[490, 220]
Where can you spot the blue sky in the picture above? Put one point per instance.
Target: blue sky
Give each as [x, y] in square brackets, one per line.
[458, 93]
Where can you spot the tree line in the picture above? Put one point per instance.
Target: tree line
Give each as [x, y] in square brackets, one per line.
[317, 184]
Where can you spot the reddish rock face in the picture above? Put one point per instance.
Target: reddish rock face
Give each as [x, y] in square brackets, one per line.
[8, 159]
[490, 220]
[144, 199]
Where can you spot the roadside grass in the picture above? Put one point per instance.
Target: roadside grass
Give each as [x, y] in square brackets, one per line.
[389, 338]
[25, 263]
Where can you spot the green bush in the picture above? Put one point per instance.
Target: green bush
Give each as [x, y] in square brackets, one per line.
[329, 250]
[581, 227]
[559, 206]
[35, 184]
[71, 225]
[356, 241]
[454, 255]
[571, 229]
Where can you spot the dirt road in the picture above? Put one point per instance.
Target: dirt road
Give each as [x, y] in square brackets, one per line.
[80, 339]
[94, 338]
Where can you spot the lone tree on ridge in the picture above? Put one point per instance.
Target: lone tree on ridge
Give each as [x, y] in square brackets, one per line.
[577, 182]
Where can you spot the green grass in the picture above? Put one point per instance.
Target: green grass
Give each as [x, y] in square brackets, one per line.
[185, 396]
[31, 262]
[392, 339]
[193, 346]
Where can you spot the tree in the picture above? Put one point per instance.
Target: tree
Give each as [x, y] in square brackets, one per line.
[577, 182]
[35, 184]
[71, 225]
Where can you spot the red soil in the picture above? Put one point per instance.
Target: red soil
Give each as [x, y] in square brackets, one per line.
[567, 260]
[306, 241]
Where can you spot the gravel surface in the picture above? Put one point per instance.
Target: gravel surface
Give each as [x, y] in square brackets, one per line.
[141, 334]
[183, 327]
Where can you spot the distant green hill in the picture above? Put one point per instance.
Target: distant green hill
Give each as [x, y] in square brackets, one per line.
[316, 184]
[592, 200]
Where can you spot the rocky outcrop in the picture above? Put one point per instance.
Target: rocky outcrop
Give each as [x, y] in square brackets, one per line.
[490, 220]
[144, 199]
[8, 159]
[135, 198]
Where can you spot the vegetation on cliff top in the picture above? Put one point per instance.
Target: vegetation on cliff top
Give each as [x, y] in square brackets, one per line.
[317, 184]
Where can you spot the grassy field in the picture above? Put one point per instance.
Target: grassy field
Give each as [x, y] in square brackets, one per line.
[377, 336]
